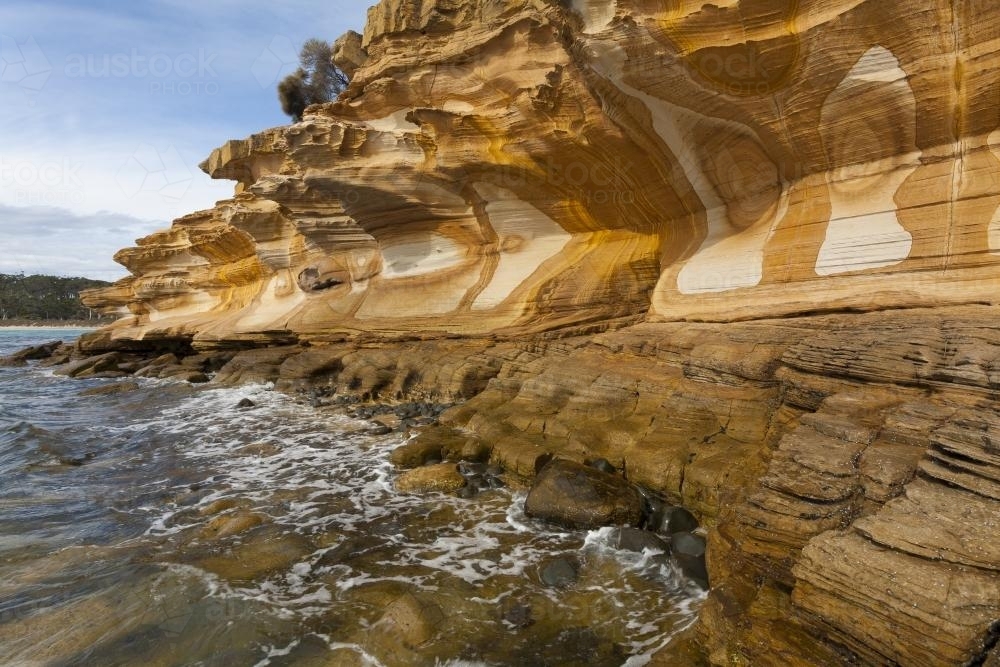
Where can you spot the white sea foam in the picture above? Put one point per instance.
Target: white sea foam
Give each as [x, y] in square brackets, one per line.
[317, 473]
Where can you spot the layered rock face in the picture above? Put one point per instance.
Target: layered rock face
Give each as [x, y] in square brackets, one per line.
[845, 465]
[700, 177]
[523, 165]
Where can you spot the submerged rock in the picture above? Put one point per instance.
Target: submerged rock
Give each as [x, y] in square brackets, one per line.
[560, 572]
[410, 620]
[578, 496]
[517, 614]
[111, 389]
[232, 524]
[262, 449]
[264, 550]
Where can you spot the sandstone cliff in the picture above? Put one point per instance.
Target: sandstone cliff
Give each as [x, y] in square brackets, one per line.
[523, 173]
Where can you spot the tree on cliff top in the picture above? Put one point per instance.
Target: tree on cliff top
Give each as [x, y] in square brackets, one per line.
[316, 80]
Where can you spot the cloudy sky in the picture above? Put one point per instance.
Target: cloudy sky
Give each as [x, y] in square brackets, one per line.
[107, 107]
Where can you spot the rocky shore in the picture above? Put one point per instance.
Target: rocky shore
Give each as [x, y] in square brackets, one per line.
[844, 471]
[739, 258]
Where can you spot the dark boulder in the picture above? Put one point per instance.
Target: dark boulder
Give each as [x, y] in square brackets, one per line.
[634, 539]
[470, 490]
[677, 520]
[90, 365]
[34, 353]
[577, 496]
[689, 553]
[653, 510]
[470, 468]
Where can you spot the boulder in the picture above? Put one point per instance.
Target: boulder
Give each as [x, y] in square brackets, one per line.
[91, 365]
[578, 496]
[689, 553]
[634, 539]
[416, 452]
[438, 478]
[677, 520]
[33, 353]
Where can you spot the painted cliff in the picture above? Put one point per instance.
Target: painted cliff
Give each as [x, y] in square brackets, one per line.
[747, 251]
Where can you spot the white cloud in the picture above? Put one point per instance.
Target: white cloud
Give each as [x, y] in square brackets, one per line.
[54, 241]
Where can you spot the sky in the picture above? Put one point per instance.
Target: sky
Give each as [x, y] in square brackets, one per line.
[107, 107]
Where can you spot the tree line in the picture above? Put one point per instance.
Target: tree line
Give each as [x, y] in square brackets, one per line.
[44, 297]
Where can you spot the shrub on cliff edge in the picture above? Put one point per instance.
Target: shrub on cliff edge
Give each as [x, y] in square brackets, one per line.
[316, 80]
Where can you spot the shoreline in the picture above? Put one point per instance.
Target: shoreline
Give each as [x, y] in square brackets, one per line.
[701, 416]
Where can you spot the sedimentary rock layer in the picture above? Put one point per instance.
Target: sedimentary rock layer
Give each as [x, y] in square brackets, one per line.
[522, 165]
[846, 468]
[505, 182]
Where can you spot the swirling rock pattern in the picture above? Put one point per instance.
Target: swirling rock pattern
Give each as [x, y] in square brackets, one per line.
[520, 173]
[525, 165]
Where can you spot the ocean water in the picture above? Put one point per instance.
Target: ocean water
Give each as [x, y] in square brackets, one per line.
[162, 525]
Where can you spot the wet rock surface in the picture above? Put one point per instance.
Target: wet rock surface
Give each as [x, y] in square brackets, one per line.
[688, 550]
[437, 478]
[579, 496]
[32, 353]
[559, 573]
[801, 457]
[634, 539]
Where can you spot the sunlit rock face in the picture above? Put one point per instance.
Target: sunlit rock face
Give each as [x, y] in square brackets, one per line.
[506, 167]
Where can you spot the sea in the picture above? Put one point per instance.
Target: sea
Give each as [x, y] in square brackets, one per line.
[152, 522]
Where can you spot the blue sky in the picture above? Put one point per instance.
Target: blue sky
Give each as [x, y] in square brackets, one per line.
[106, 109]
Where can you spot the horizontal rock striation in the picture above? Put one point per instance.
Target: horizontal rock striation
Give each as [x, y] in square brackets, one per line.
[745, 252]
[850, 483]
[524, 165]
